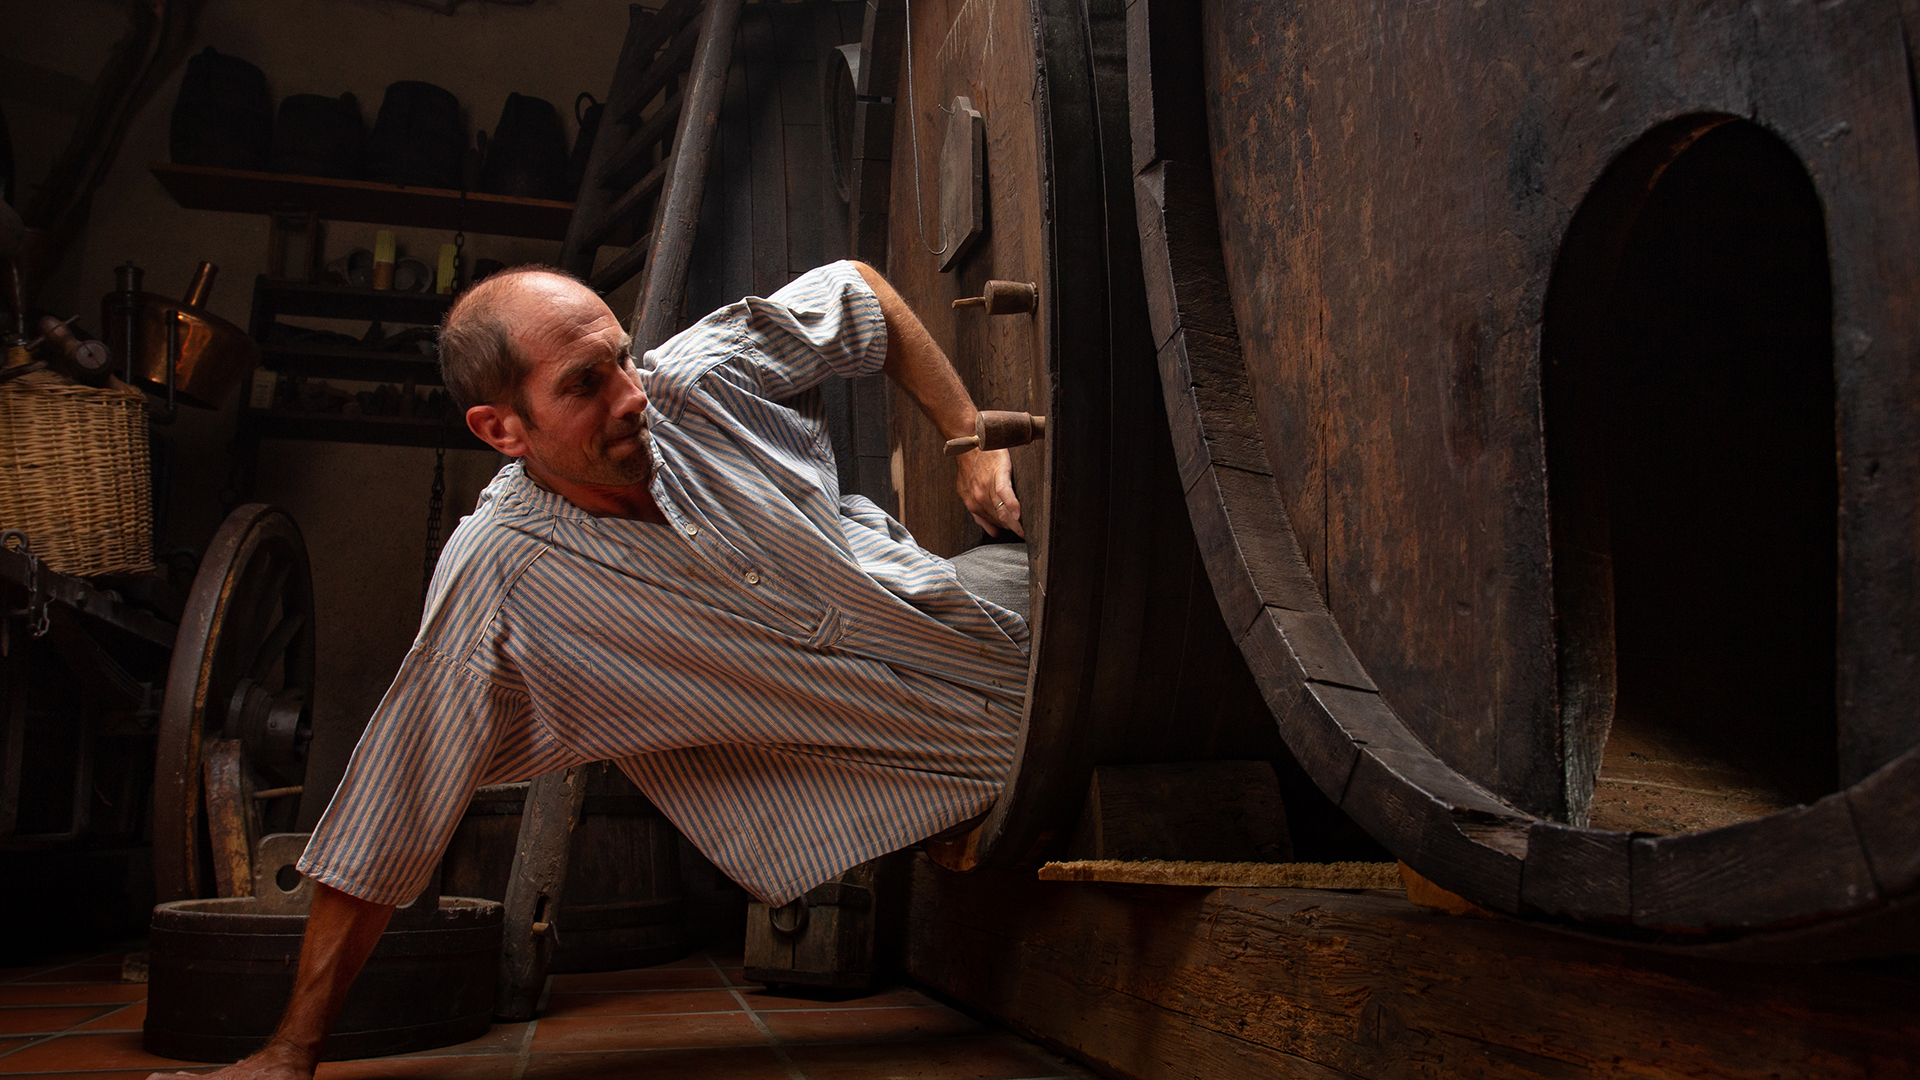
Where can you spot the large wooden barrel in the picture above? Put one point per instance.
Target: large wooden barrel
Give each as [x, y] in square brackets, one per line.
[1130, 660]
[1542, 384]
[623, 904]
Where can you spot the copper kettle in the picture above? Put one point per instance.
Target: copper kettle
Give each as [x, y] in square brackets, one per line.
[156, 336]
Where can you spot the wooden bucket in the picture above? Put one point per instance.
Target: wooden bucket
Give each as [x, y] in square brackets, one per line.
[220, 973]
[1512, 451]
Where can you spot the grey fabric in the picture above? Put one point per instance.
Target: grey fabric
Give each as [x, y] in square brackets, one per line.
[997, 572]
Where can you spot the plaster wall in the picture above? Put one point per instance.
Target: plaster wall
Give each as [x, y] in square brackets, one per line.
[363, 509]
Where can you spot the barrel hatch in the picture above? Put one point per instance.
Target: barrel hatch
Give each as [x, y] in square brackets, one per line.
[1689, 383]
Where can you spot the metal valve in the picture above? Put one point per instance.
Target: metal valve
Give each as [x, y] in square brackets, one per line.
[993, 430]
[1005, 298]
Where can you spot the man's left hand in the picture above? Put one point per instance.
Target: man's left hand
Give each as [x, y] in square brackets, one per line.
[986, 487]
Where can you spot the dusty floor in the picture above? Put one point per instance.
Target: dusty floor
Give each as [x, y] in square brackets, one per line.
[696, 1018]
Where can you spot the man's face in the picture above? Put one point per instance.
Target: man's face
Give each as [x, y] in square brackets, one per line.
[588, 411]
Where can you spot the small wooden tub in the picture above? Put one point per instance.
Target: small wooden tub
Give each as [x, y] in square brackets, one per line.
[220, 973]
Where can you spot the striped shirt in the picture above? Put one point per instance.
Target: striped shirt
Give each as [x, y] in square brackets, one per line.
[794, 682]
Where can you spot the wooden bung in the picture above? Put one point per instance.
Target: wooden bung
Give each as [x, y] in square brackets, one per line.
[995, 430]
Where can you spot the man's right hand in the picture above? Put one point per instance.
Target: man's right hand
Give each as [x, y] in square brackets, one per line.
[275, 1061]
[985, 482]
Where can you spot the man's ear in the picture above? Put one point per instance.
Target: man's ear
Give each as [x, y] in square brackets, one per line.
[498, 427]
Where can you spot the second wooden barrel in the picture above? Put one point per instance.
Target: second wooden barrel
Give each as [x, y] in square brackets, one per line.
[623, 905]
[1540, 379]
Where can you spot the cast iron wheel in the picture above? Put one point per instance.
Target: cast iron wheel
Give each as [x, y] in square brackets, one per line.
[242, 669]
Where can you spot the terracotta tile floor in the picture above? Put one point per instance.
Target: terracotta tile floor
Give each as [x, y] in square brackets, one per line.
[695, 1019]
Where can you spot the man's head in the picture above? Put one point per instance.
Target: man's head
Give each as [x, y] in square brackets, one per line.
[541, 365]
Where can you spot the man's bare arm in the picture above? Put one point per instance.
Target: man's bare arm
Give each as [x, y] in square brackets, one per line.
[916, 362]
[341, 932]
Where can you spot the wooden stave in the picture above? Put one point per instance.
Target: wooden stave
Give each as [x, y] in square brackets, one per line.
[1851, 860]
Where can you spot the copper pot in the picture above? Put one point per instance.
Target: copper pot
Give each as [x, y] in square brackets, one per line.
[211, 355]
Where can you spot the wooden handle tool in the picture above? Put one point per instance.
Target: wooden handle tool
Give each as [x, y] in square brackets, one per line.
[993, 430]
[1005, 298]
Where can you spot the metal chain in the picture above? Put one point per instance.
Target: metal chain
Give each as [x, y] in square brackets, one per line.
[436, 506]
[460, 241]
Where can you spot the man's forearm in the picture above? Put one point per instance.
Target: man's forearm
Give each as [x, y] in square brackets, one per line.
[916, 362]
[341, 933]
[342, 930]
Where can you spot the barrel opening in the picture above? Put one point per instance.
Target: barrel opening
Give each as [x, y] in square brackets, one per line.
[1689, 413]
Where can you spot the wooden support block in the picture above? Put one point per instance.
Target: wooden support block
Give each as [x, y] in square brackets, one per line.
[1195, 811]
[1164, 83]
[1426, 894]
[1191, 984]
[831, 936]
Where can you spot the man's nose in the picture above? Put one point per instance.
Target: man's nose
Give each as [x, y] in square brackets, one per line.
[631, 396]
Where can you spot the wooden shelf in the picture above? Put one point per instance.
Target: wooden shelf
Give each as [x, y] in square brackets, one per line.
[361, 365]
[199, 187]
[348, 302]
[334, 427]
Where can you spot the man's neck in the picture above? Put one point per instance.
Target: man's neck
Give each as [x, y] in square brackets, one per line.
[633, 502]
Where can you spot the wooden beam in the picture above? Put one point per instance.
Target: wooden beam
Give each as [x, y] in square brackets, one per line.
[1157, 983]
[658, 308]
[576, 256]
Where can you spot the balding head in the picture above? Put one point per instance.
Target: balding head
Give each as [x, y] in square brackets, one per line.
[484, 353]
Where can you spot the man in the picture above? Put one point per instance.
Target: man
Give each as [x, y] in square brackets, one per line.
[668, 577]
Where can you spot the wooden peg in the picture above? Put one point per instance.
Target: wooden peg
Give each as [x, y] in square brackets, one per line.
[1005, 298]
[994, 430]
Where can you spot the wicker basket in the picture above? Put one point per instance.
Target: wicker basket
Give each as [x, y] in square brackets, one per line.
[74, 474]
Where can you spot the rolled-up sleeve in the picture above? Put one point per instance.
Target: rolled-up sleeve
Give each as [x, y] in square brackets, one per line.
[825, 322]
[428, 746]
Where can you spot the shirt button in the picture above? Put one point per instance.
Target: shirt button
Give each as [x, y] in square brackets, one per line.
[692, 529]
[753, 577]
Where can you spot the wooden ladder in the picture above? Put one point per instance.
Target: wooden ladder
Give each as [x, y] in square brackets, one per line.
[651, 167]
[654, 167]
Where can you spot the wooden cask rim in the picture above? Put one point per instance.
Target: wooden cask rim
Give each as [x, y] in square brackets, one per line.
[1068, 548]
[1837, 878]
